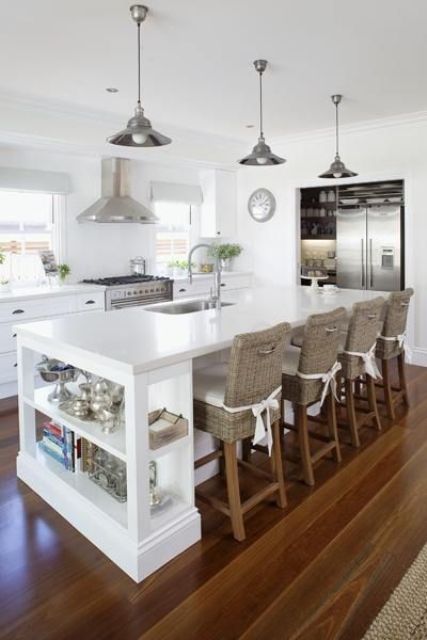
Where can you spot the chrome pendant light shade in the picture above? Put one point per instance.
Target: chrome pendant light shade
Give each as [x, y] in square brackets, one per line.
[139, 132]
[261, 155]
[337, 168]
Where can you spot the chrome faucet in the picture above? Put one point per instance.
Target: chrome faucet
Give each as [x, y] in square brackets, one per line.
[217, 274]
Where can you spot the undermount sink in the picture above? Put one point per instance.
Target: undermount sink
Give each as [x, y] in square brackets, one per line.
[191, 306]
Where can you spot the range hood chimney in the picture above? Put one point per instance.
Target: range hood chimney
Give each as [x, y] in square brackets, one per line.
[115, 204]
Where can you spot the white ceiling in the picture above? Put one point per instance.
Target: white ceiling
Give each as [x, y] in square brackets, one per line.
[198, 57]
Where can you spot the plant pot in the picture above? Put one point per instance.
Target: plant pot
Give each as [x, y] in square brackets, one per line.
[226, 264]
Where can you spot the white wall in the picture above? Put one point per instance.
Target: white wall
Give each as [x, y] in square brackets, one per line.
[382, 153]
[98, 249]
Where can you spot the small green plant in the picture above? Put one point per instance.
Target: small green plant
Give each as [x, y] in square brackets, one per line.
[179, 264]
[4, 281]
[225, 251]
[2, 257]
[64, 270]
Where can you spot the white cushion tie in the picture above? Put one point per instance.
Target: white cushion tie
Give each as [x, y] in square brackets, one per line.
[262, 428]
[402, 341]
[370, 364]
[327, 378]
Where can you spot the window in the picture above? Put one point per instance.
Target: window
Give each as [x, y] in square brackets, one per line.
[173, 234]
[26, 228]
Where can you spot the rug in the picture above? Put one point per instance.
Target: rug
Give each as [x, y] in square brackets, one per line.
[404, 616]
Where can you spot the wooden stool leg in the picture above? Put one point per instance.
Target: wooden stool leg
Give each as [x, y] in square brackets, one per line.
[372, 401]
[387, 389]
[277, 463]
[233, 490]
[221, 460]
[246, 449]
[304, 443]
[402, 377]
[351, 413]
[332, 425]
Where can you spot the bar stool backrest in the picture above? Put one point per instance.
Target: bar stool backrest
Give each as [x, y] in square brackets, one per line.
[365, 325]
[255, 366]
[396, 313]
[320, 343]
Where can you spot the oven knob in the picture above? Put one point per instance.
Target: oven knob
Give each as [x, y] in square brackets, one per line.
[129, 293]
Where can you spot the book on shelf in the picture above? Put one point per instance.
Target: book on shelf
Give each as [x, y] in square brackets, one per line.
[58, 442]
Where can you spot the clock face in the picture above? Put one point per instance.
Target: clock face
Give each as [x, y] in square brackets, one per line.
[262, 205]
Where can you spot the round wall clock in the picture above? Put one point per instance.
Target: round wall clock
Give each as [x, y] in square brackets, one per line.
[262, 205]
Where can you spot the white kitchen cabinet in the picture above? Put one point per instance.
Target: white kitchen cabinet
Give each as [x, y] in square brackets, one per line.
[218, 211]
[94, 301]
[44, 306]
[201, 285]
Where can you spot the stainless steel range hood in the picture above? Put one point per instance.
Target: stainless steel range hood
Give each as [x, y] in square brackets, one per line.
[115, 205]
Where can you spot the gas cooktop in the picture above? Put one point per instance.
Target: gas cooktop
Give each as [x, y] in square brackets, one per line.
[115, 281]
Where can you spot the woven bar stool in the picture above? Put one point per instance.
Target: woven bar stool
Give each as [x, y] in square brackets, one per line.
[309, 377]
[240, 400]
[391, 344]
[357, 358]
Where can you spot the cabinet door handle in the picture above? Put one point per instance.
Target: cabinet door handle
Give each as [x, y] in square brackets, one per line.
[218, 233]
[90, 302]
[14, 313]
[182, 290]
[223, 284]
[13, 335]
[16, 364]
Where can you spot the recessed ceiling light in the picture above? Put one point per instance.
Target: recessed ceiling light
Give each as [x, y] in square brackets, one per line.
[112, 90]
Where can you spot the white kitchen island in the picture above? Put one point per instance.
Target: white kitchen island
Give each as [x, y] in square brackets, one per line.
[151, 354]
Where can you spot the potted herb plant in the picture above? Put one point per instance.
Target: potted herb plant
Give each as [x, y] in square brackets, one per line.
[178, 267]
[4, 282]
[225, 253]
[64, 271]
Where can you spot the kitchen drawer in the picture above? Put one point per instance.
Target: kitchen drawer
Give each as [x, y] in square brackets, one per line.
[22, 310]
[230, 282]
[8, 369]
[7, 338]
[94, 301]
[184, 289]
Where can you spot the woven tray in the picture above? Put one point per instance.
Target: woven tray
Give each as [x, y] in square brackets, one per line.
[165, 427]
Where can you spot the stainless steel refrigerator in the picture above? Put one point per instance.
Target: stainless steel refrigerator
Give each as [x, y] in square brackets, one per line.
[369, 247]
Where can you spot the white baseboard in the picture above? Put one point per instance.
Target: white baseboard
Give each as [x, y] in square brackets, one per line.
[419, 357]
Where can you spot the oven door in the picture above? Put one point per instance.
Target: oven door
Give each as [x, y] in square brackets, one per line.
[137, 302]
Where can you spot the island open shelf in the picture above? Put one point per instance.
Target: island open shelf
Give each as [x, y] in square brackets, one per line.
[136, 535]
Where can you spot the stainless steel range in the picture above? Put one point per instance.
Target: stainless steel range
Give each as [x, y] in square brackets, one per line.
[133, 290]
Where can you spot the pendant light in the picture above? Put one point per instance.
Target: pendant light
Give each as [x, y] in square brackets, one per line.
[261, 153]
[139, 132]
[337, 168]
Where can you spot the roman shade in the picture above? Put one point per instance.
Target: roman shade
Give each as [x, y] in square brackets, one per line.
[179, 193]
[14, 179]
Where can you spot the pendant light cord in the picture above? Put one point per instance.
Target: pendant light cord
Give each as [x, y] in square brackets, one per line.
[336, 130]
[261, 131]
[139, 63]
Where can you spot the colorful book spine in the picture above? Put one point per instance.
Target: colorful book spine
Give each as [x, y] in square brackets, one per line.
[59, 443]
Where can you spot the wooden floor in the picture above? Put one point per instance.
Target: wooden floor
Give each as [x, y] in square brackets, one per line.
[319, 570]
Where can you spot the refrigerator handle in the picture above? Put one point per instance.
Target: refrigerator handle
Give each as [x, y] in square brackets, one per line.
[363, 262]
[371, 265]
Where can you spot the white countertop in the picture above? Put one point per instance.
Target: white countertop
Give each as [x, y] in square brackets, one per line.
[45, 291]
[135, 339]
